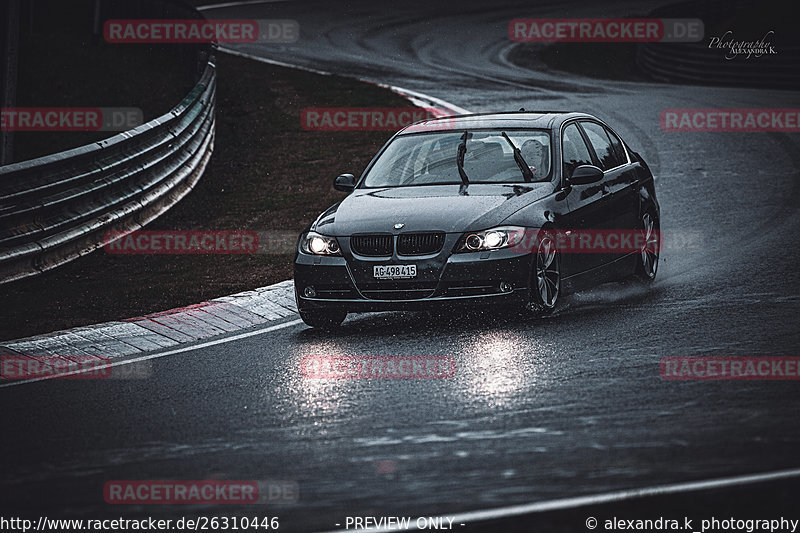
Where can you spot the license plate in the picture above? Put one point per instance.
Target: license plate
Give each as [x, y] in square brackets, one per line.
[395, 271]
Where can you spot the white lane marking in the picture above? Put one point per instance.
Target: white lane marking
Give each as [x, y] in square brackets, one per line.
[422, 96]
[158, 355]
[593, 499]
[260, 59]
[235, 4]
[408, 93]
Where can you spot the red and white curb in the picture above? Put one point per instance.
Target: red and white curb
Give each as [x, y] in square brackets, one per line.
[165, 329]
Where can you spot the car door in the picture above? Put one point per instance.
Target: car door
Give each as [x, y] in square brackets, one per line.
[588, 206]
[628, 184]
[620, 181]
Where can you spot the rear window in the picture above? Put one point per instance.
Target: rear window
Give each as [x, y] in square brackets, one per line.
[602, 145]
[598, 137]
[617, 144]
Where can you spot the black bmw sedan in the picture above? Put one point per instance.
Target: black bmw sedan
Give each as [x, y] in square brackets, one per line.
[506, 208]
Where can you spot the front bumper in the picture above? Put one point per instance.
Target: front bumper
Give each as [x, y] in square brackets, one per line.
[464, 279]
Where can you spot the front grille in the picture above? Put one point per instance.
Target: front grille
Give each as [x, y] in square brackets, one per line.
[411, 294]
[472, 289]
[420, 243]
[398, 290]
[336, 290]
[372, 245]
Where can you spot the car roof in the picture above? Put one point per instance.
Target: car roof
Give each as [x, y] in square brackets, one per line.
[511, 120]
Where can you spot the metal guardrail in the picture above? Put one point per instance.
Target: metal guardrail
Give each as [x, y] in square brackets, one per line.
[59, 207]
[689, 62]
[697, 63]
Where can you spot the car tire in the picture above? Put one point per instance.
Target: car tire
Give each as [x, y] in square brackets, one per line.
[647, 258]
[545, 277]
[323, 318]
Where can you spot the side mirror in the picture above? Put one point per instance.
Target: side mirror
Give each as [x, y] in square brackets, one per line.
[345, 183]
[585, 174]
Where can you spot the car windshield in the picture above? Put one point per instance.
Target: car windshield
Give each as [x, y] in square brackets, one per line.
[431, 158]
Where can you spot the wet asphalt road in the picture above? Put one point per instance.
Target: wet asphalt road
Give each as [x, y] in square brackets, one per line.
[569, 405]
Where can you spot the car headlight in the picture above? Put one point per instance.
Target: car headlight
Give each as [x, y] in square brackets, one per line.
[491, 239]
[315, 244]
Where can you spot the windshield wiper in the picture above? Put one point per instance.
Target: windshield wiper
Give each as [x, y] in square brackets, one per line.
[523, 166]
[462, 150]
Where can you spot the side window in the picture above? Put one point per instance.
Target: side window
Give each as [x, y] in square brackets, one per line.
[617, 144]
[575, 152]
[602, 145]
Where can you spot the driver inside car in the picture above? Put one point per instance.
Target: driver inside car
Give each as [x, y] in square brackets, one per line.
[535, 155]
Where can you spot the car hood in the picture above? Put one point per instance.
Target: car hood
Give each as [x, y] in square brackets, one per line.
[430, 207]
